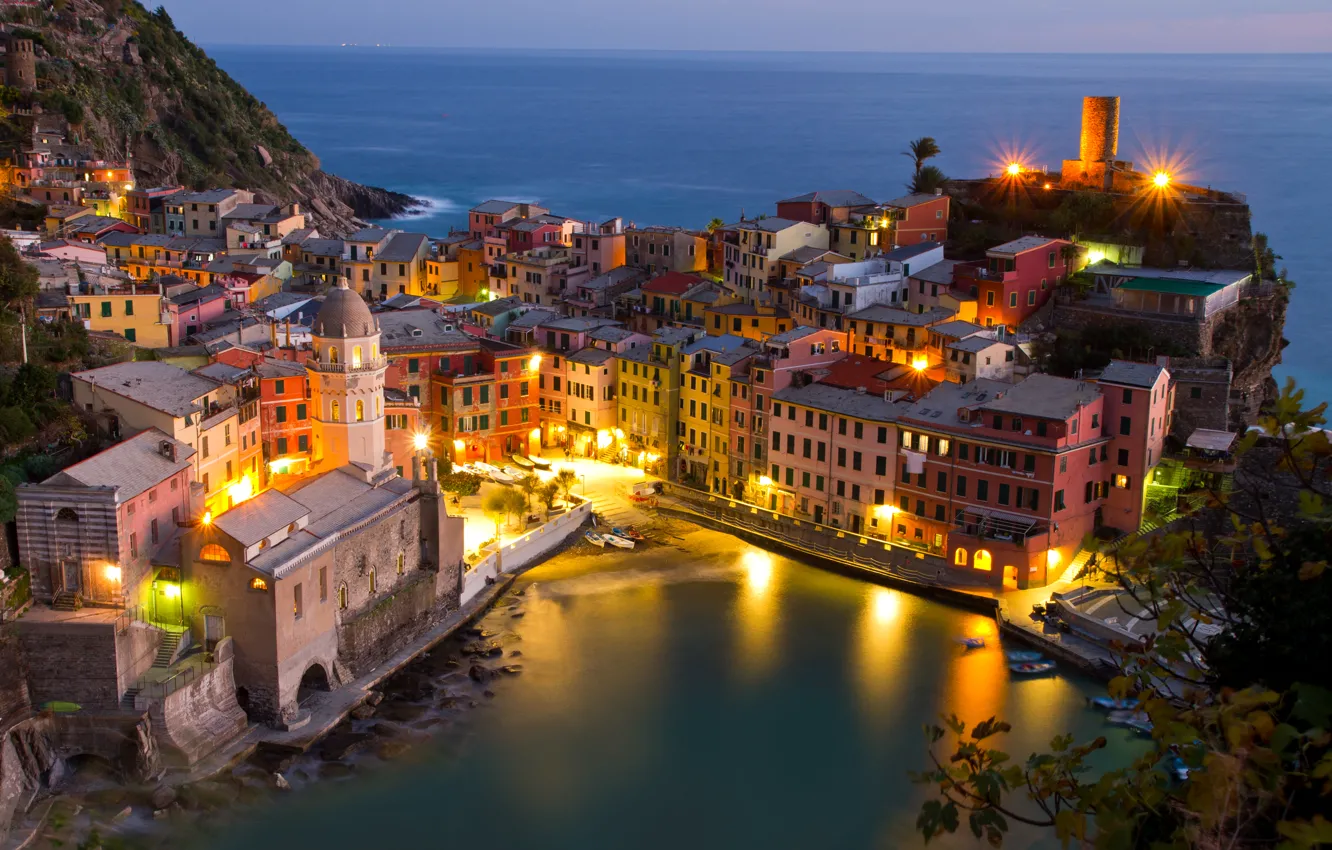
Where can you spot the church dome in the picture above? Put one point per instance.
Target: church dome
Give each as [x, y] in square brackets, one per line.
[344, 314]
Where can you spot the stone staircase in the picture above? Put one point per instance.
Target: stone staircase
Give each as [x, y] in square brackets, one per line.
[67, 600]
[166, 653]
[127, 701]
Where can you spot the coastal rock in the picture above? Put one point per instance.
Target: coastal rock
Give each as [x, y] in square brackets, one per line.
[280, 782]
[340, 744]
[335, 770]
[488, 694]
[163, 796]
[374, 698]
[479, 674]
[363, 712]
[264, 156]
[401, 711]
[511, 669]
[517, 653]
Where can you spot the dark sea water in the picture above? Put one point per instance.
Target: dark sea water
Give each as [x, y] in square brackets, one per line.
[700, 696]
[677, 138]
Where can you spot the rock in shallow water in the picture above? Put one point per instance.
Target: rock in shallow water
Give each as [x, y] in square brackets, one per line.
[340, 744]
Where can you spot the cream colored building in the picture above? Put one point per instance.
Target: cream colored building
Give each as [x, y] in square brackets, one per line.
[752, 249]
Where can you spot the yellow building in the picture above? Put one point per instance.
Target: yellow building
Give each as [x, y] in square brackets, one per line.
[649, 394]
[134, 311]
[752, 252]
[752, 321]
[203, 413]
[894, 335]
[705, 408]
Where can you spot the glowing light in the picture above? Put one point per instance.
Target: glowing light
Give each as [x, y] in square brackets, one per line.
[920, 364]
[619, 434]
[765, 481]
[1052, 558]
[604, 439]
[1095, 256]
[1014, 169]
[1161, 179]
[241, 490]
[208, 518]
[535, 433]
[887, 605]
[535, 363]
[758, 571]
[1047, 186]
[459, 445]
[653, 457]
[171, 590]
[420, 440]
[112, 573]
[885, 511]
[281, 464]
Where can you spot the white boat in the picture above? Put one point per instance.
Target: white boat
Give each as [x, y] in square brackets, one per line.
[514, 472]
[480, 467]
[622, 542]
[500, 477]
[595, 539]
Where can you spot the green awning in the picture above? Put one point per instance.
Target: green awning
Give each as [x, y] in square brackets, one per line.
[1170, 287]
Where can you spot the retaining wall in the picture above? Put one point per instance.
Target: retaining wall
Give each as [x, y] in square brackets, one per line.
[198, 718]
[524, 550]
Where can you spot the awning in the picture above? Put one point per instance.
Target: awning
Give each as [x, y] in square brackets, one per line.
[1211, 441]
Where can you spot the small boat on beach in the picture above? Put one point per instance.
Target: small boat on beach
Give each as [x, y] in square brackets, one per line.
[616, 540]
[1112, 704]
[629, 533]
[515, 473]
[1032, 668]
[972, 642]
[595, 539]
[539, 463]
[1020, 655]
[522, 462]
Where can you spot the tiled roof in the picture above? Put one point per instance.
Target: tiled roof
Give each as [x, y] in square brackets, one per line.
[833, 198]
[494, 207]
[253, 520]
[912, 200]
[672, 283]
[871, 406]
[132, 467]
[1130, 374]
[897, 316]
[906, 252]
[590, 356]
[160, 386]
[402, 248]
[1045, 396]
[1023, 244]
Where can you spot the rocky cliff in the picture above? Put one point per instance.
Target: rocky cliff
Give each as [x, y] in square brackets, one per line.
[131, 85]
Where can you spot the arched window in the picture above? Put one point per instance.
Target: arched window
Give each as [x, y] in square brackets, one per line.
[356, 356]
[981, 560]
[960, 557]
[372, 582]
[360, 410]
[332, 354]
[214, 554]
[336, 411]
[374, 351]
[378, 402]
[402, 563]
[342, 597]
[67, 514]
[257, 583]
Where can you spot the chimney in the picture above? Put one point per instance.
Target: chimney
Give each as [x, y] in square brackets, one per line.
[416, 468]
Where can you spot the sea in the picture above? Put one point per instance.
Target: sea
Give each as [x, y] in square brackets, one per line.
[682, 137]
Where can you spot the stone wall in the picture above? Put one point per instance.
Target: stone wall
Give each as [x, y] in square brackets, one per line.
[1171, 334]
[86, 663]
[14, 702]
[195, 720]
[395, 620]
[518, 553]
[1202, 394]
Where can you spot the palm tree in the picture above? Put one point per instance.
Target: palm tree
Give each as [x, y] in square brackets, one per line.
[928, 181]
[514, 504]
[547, 493]
[715, 225]
[565, 479]
[920, 150]
[495, 507]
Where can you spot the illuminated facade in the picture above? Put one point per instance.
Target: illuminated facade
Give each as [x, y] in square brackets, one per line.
[347, 383]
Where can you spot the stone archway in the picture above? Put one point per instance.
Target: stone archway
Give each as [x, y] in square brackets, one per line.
[314, 680]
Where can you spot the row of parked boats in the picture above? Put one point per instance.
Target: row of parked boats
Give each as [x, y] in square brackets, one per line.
[623, 538]
[522, 466]
[1020, 661]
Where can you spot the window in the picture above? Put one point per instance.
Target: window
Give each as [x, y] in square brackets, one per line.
[282, 413]
[402, 563]
[214, 554]
[941, 482]
[300, 411]
[982, 490]
[413, 366]
[1012, 299]
[342, 597]
[1031, 297]
[1128, 396]
[323, 584]
[962, 486]
[1059, 500]
[1122, 481]
[1125, 424]
[337, 412]
[259, 584]
[373, 584]
[297, 603]
[1195, 392]
[960, 558]
[360, 410]
[1123, 457]
[1003, 493]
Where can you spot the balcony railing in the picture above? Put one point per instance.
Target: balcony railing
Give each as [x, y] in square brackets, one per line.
[369, 365]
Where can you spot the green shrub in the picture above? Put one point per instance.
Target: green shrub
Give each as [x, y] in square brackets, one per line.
[460, 483]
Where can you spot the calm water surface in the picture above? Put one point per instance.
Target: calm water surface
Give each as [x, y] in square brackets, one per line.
[707, 695]
[677, 138]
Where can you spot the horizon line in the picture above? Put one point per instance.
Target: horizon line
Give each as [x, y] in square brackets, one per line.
[472, 48]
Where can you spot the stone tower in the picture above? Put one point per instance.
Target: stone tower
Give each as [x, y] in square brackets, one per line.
[20, 63]
[347, 384]
[1100, 129]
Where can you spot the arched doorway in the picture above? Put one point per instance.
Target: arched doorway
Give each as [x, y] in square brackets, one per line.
[314, 680]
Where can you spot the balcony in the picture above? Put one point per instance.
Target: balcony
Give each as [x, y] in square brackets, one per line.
[365, 367]
[1003, 527]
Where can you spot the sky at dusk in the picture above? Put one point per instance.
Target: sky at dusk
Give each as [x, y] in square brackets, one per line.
[1023, 26]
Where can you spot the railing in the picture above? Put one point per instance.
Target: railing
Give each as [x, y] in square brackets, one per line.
[186, 676]
[369, 365]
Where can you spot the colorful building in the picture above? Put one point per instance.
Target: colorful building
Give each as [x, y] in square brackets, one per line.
[1016, 280]
[706, 375]
[649, 394]
[752, 249]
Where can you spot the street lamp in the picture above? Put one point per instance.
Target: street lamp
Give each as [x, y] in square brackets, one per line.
[1161, 179]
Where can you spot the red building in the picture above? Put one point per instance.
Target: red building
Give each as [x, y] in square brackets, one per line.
[526, 234]
[402, 424]
[1017, 279]
[284, 417]
[1008, 480]
[918, 218]
[832, 207]
[146, 208]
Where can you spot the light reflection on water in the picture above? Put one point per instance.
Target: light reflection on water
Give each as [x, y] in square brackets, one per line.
[706, 696]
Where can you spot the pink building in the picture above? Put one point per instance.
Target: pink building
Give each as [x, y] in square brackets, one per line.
[590, 398]
[832, 455]
[102, 530]
[1016, 280]
[1008, 480]
[599, 248]
[1138, 403]
[188, 311]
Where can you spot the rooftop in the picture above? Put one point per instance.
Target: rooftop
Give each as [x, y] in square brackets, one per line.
[402, 248]
[833, 198]
[494, 207]
[160, 386]
[1045, 397]
[1129, 374]
[280, 369]
[957, 329]
[912, 200]
[131, 467]
[973, 344]
[768, 225]
[907, 252]
[373, 235]
[253, 520]
[871, 406]
[610, 333]
[222, 372]
[1220, 277]
[498, 307]
[534, 318]
[674, 336]
[578, 324]
[804, 255]
[796, 333]
[210, 196]
[591, 356]
[1022, 245]
[940, 273]
[1211, 441]
[941, 404]
[251, 211]
[898, 316]
[420, 329]
[672, 283]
